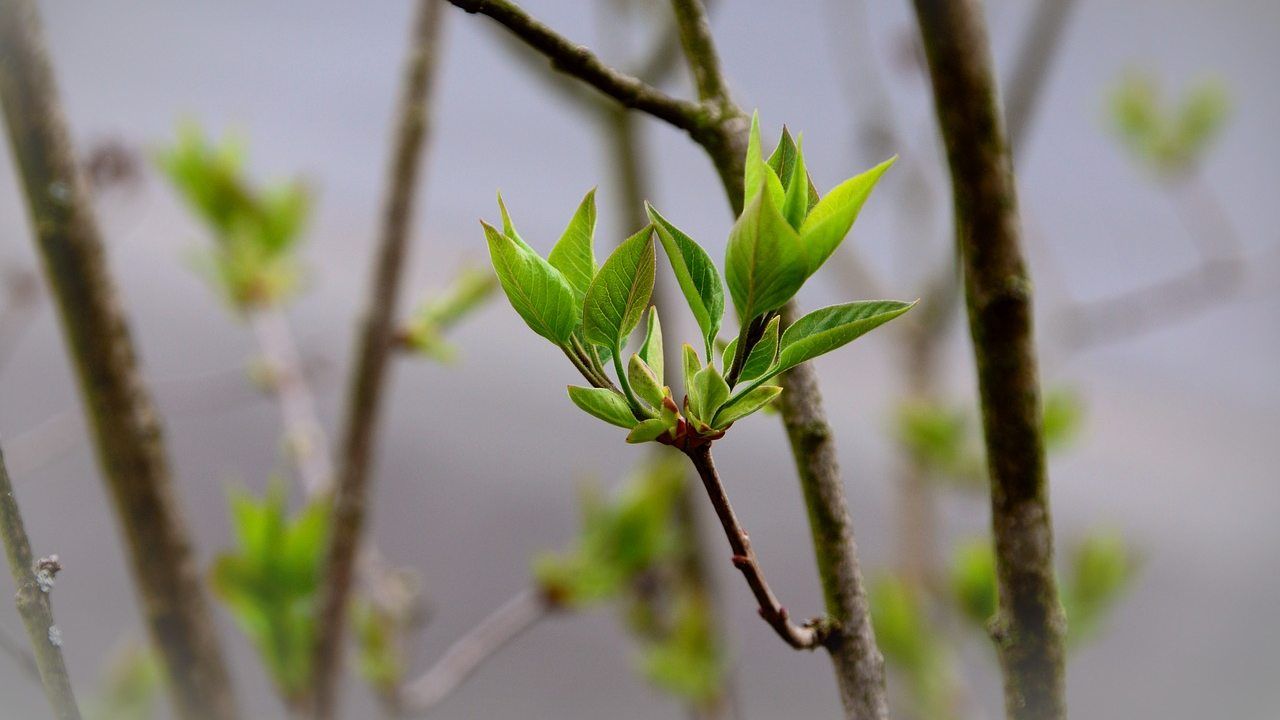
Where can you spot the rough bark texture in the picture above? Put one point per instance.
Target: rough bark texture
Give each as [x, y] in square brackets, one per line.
[123, 423]
[33, 604]
[1029, 626]
[374, 349]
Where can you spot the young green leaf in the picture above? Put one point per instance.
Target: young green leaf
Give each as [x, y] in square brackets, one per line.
[608, 405]
[764, 262]
[745, 404]
[829, 221]
[620, 291]
[643, 381]
[709, 391]
[573, 254]
[828, 328]
[757, 173]
[651, 349]
[762, 356]
[537, 291]
[783, 163]
[696, 274]
[509, 227]
[689, 357]
[795, 206]
[647, 431]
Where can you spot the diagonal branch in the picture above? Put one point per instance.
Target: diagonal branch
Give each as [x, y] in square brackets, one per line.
[1029, 625]
[577, 61]
[34, 580]
[130, 447]
[375, 342]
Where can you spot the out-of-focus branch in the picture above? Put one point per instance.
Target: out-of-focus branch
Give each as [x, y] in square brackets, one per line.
[374, 345]
[470, 651]
[34, 580]
[1029, 626]
[125, 430]
[22, 297]
[1035, 57]
[19, 653]
[305, 439]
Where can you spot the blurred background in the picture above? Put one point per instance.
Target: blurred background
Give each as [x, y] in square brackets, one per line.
[479, 459]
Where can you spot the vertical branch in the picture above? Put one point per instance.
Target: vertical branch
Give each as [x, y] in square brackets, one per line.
[33, 603]
[125, 430]
[1035, 57]
[373, 351]
[1029, 626]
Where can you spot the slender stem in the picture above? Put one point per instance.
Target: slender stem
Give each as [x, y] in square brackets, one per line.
[636, 407]
[469, 652]
[130, 446]
[19, 653]
[373, 353]
[304, 437]
[1035, 57]
[800, 637]
[1029, 627]
[33, 603]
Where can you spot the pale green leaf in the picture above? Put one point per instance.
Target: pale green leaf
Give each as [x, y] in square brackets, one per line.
[537, 291]
[756, 172]
[829, 221]
[620, 291]
[608, 405]
[828, 328]
[647, 431]
[689, 358]
[764, 263]
[745, 404]
[709, 392]
[573, 255]
[795, 206]
[695, 273]
[783, 163]
[762, 356]
[651, 348]
[509, 227]
[643, 381]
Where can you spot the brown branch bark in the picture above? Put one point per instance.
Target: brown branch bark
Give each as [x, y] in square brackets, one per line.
[125, 429]
[373, 352]
[33, 603]
[1029, 625]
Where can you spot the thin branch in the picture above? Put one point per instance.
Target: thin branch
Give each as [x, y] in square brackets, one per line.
[22, 299]
[470, 651]
[375, 342]
[1029, 626]
[305, 439]
[19, 653]
[1035, 57]
[34, 580]
[125, 429]
[801, 637]
[576, 60]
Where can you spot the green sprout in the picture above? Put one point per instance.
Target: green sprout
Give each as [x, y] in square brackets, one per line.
[1170, 139]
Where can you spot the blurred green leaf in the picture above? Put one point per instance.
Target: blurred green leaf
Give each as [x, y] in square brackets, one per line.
[973, 580]
[130, 686]
[426, 329]
[1169, 140]
[1102, 569]
[1063, 416]
[688, 662]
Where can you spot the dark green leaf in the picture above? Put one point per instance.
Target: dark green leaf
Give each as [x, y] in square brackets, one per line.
[826, 329]
[795, 206]
[762, 356]
[696, 274]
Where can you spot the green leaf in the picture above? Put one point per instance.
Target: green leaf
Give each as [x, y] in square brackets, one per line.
[689, 357]
[973, 580]
[620, 291]
[828, 328]
[762, 356]
[696, 274]
[647, 431]
[651, 349]
[764, 263]
[709, 392]
[644, 382]
[509, 228]
[795, 206]
[829, 221]
[537, 291]
[573, 254]
[745, 404]
[783, 163]
[608, 405]
[756, 172]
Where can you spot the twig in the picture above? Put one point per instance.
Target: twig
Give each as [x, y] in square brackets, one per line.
[373, 351]
[125, 429]
[466, 655]
[34, 580]
[1029, 626]
[305, 439]
[19, 653]
[1035, 57]
[801, 637]
[22, 298]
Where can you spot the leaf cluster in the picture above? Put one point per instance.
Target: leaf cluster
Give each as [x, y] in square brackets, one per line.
[1170, 139]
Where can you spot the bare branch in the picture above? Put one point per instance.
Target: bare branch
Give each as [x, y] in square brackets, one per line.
[1029, 627]
[128, 438]
[1035, 57]
[470, 651]
[19, 653]
[375, 342]
[34, 579]
[578, 61]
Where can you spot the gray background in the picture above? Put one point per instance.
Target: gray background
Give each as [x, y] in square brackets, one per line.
[478, 461]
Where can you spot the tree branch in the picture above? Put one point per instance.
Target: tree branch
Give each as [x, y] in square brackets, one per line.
[19, 653]
[1035, 57]
[374, 345]
[801, 637]
[34, 580]
[1029, 625]
[578, 61]
[125, 430]
[470, 651]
